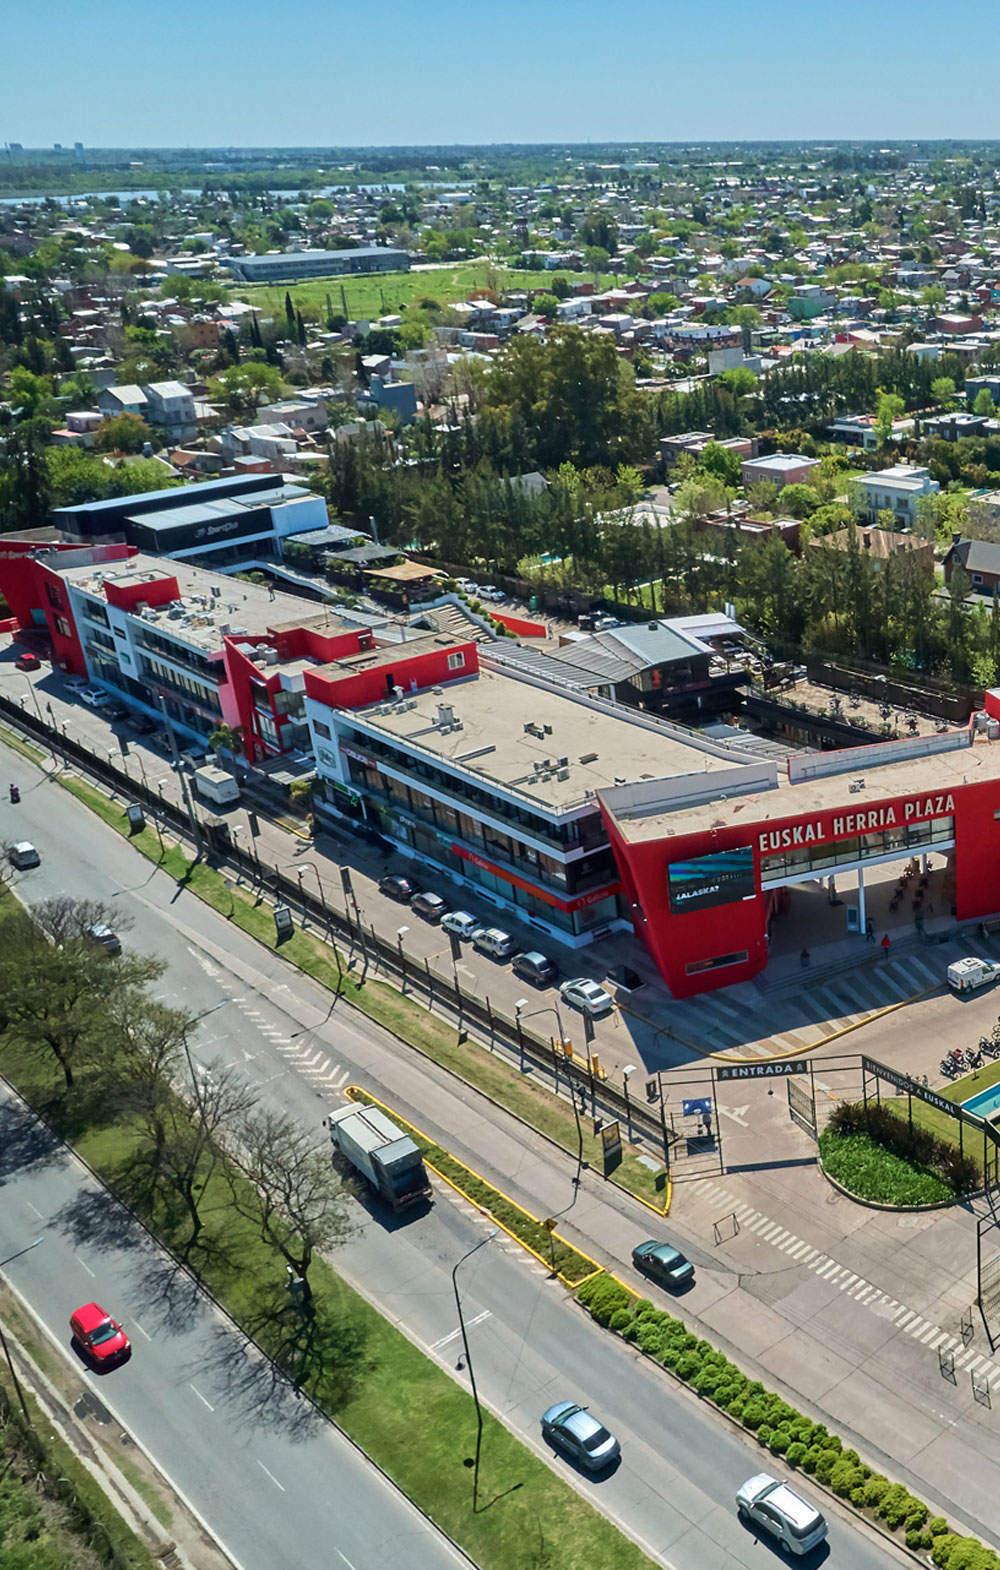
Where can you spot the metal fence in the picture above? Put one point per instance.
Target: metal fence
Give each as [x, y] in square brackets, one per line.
[530, 1052]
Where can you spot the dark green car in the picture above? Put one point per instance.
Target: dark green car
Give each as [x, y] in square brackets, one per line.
[664, 1264]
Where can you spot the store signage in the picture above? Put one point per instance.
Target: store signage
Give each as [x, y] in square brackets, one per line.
[910, 1087]
[724, 1071]
[839, 825]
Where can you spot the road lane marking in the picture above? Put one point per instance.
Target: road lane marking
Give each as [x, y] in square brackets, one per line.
[345, 1559]
[86, 1267]
[274, 1480]
[198, 1393]
[38, 1213]
[136, 1326]
[454, 1334]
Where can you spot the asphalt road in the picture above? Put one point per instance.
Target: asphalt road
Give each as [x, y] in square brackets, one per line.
[531, 1346]
[275, 1484]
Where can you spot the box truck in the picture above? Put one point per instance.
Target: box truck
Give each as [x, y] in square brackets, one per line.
[215, 785]
[382, 1153]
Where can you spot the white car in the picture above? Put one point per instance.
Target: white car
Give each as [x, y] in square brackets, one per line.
[93, 697]
[75, 683]
[489, 591]
[467, 586]
[462, 924]
[796, 1525]
[587, 996]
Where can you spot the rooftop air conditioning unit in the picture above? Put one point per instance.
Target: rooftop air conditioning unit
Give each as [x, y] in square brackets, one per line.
[563, 774]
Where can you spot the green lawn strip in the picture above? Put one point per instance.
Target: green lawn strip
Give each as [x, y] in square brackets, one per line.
[404, 1016]
[18, 744]
[794, 1439]
[866, 1169]
[69, 1514]
[970, 1141]
[568, 1262]
[399, 1406]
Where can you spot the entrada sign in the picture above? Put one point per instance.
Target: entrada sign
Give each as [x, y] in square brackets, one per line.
[724, 1071]
[818, 830]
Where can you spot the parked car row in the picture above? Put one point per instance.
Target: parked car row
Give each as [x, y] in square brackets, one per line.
[580, 992]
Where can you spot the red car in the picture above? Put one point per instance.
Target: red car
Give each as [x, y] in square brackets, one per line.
[28, 662]
[99, 1335]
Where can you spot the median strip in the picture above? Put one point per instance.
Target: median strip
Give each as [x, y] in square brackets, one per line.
[570, 1264]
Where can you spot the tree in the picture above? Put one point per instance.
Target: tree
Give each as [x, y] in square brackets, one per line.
[545, 305]
[290, 315]
[225, 738]
[289, 1189]
[29, 395]
[984, 404]
[943, 390]
[888, 409]
[740, 381]
[798, 501]
[721, 463]
[596, 259]
[122, 433]
[54, 998]
[25, 493]
[242, 386]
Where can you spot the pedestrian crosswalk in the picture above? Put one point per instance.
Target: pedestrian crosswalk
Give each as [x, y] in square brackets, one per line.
[826, 1268]
[752, 1023]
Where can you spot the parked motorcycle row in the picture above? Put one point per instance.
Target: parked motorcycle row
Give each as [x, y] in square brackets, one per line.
[958, 1062]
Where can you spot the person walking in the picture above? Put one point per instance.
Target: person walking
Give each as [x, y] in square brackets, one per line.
[886, 946]
[869, 931]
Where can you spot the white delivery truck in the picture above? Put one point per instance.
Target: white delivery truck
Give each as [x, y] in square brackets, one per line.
[965, 975]
[387, 1157]
[215, 785]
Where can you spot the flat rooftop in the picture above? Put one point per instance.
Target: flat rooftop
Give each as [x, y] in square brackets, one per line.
[934, 775]
[494, 745]
[239, 607]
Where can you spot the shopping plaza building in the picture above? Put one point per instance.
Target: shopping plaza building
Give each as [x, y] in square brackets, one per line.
[572, 812]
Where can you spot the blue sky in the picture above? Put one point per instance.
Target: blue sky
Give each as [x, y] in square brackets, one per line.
[336, 72]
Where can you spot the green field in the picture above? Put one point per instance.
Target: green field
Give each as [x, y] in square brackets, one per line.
[383, 294]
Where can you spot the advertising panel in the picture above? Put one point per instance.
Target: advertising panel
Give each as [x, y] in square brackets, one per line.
[719, 879]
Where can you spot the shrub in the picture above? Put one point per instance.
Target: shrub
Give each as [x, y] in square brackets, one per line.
[916, 1515]
[643, 1306]
[754, 1413]
[811, 1459]
[943, 1545]
[825, 1464]
[706, 1380]
[648, 1338]
[688, 1364]
[764, 1434]
[621, 1318]
[937, 1526]
[604, 1297]
[913, 1540]
[795, 1453]
[668, 1356]
[875, 1490]
[780, 1441]
[845, 1477]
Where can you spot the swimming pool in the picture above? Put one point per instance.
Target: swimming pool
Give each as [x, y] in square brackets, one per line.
[984, 1105]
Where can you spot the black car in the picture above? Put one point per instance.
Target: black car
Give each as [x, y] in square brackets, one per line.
[534, 967]
[115, 711]
[397, 888]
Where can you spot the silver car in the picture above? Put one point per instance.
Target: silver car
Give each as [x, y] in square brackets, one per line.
[585, 995]
[579, 1435]
[461, 923]
[796, 1525]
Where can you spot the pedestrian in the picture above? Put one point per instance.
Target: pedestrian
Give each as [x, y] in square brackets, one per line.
[886, 945]
[804, 958]
[869, 931]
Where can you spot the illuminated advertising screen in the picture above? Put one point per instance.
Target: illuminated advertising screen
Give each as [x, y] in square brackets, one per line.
[711, 880]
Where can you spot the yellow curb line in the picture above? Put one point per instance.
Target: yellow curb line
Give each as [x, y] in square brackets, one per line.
[355, 1093]
[655, 1208]
[793, 1052]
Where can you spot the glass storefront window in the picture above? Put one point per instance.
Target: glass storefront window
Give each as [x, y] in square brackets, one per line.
[811, 861]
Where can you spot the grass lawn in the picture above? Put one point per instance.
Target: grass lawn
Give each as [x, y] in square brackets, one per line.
[399, 1406]
[382, 294]
[959, 1134]
[404, 1016]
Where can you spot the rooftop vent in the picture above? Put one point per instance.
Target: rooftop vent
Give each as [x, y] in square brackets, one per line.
[652, 625]
[589, 757]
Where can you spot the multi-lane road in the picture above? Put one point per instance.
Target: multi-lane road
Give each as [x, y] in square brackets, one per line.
[275, 1489]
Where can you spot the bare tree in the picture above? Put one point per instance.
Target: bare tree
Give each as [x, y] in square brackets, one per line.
[289, 1190]
[66, 920]
[184, 1122]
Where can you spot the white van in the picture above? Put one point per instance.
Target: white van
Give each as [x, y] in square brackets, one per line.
[215, 785]
[965, 975]
[495, 942]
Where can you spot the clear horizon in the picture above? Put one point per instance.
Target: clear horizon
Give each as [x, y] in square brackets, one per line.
[243, 75]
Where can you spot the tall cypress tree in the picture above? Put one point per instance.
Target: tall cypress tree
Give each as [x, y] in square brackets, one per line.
[290, 315]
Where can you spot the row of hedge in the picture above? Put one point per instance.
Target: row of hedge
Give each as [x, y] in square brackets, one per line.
[777, 1426]
[910, 1142]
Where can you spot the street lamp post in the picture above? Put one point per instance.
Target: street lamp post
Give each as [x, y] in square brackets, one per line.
[6, 1348]
[468, 1359]
[400, 935]
[550, 1008]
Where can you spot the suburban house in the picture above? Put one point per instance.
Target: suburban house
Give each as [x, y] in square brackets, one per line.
[950, 427]
[897, 490]
[880, 545]
[781, 468]
[980, 559]
[170, 407]
[113, 401]
[860, 430]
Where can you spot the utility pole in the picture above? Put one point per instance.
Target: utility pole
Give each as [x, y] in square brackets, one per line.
[181, 773]
[468, 1360]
